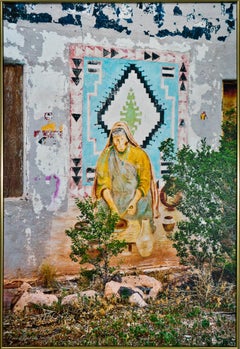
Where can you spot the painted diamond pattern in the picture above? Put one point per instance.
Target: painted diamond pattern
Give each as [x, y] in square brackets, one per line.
[152, 113]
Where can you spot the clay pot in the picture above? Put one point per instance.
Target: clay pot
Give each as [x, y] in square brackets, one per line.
[121, 225]
[168, 223]
[168, 201]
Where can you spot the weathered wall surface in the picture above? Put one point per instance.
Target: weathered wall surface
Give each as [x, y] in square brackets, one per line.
[41, 38]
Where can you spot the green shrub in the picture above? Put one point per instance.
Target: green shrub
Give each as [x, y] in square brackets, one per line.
[207, 180]
[93, 239]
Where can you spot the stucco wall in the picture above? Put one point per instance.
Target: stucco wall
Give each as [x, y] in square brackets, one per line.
[40, 37]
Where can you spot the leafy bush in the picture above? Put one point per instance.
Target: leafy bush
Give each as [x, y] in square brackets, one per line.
[93, 239]
[207, 181]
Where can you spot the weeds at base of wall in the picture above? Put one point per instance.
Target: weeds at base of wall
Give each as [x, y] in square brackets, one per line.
[47, 275]
[177, 317]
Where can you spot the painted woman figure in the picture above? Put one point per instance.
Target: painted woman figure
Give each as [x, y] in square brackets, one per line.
[124, 177]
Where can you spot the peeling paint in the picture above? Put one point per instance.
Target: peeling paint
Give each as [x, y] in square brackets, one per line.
[37, 203]
[197, 97]
[201, 52]
[109, 16]
[31, 259]
[17, 11]
[177, 11]
[12, 35]
[40, 35]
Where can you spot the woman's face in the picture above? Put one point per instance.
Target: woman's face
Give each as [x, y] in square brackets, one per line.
[120, 142]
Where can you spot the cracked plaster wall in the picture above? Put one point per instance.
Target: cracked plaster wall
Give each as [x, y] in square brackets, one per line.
[38, 36]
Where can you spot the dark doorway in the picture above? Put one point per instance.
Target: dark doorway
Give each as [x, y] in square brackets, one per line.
[12, 130]
[229, 98]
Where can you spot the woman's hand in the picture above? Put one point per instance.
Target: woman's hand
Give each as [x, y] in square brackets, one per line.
[132, 207]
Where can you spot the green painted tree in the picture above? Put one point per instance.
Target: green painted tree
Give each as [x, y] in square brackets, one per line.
[132, 114]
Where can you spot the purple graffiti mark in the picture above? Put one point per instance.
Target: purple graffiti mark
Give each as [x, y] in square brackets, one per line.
[55, 194]
[57, 179]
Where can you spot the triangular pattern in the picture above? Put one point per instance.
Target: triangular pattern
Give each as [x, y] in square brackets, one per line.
[182, 123]
[76, 161]
[182, 87]
[113, 53]
[183, 77]
[106, 53]
[147, 55]
[76, 179]
[76, 170]
[76, 80]
[98, 51]
[154, 56]
[183, 69]
[76, 116]
[76, 72]
[77, 61]
[90, 51]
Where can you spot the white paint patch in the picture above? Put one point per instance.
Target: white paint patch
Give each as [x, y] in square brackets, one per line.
[89, 40]
[31, 259]
[169, 45]
[12, 51]
[104, 42]
[201, 51]
[216, 84]
[123, 42]
[37, 203]
[50, 159]
[12, 35]
[48, 86]
[194, 140]
[197, 98]
[53, 46]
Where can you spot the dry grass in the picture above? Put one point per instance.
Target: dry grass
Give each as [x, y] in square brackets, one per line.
[186, 315]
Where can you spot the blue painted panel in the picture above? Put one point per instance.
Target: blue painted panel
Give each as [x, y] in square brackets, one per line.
[100, 81]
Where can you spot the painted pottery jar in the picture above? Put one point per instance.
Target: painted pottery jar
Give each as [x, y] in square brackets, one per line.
[168, 223]
[145, 239]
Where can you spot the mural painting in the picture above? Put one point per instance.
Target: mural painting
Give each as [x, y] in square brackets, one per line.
[132, 100]
[120, 205]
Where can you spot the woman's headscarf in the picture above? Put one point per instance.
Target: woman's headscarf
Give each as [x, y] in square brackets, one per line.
[124, 126]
